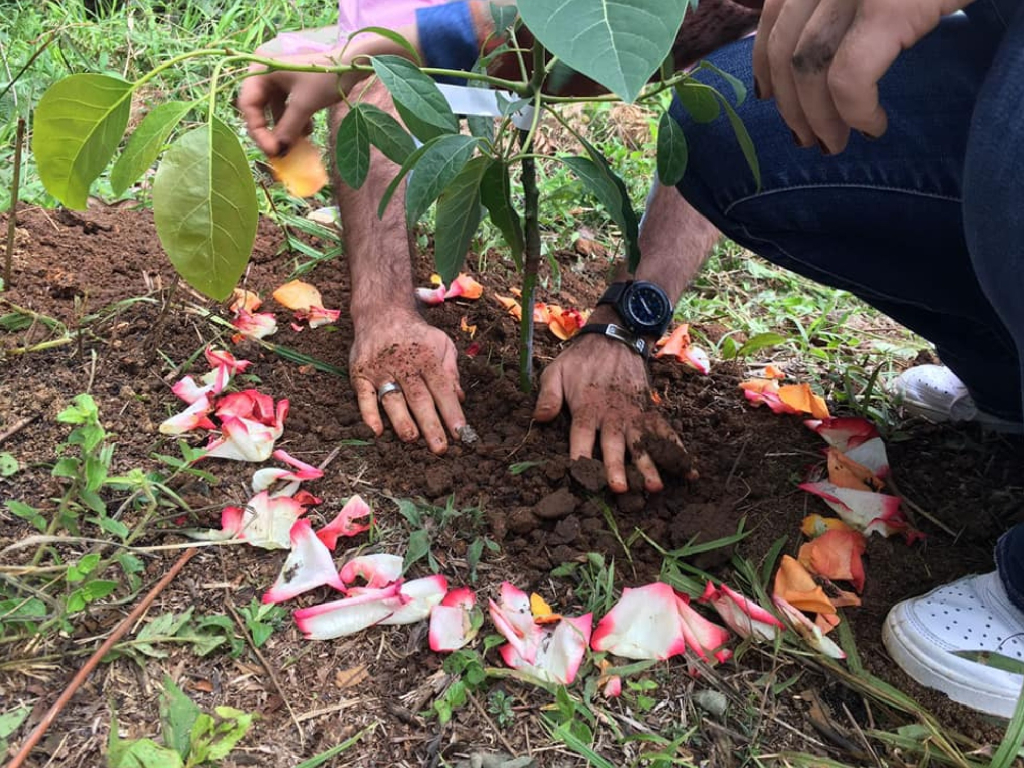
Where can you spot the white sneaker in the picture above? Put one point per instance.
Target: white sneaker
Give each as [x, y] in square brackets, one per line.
[934, 393]
[944, 638]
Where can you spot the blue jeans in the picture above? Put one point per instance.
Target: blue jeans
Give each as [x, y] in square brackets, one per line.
[926, 223]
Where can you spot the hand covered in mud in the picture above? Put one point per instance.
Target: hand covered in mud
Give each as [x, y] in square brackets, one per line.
[399, 347]
[821, 60]
[604, 384]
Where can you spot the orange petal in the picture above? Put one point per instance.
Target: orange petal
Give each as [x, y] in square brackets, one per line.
[541, 313]
[466, 287]
[760, 385]
[772, 372]
[513, 307]
[675, 343]
[564, 323]
[795, 585]
[847, 473]
[542, 613]
[836, 555]
[243, 299]
[302, 170]
[800, 397]
[298, 295]
[815, 525]
[467, 328]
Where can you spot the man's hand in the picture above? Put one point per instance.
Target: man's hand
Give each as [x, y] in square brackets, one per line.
[822, 59]
[403, 349]
[604, 384]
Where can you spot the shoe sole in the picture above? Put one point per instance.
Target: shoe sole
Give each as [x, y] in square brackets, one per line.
[958, 678]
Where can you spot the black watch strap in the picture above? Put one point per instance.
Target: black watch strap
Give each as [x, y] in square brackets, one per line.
[614, 292]
[613, 331]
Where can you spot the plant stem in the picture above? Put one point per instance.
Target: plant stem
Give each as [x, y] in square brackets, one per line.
[531, 265]
[12, 216]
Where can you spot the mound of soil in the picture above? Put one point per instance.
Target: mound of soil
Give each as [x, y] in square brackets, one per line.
[740, 466]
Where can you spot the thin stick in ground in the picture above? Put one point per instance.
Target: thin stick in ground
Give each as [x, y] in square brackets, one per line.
[12, 215]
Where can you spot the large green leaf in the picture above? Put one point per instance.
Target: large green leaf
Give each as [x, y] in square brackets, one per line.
[496, 195]
[420, 104]
[618, 43]
[352, 149]
[145, 144]
[458, 216]
[745, 142]
[407, 166]
[77, 127]
[204, 203]
[673, 151]
[436, 169]
[603, 188]
[699, 100]
[386, 133]
[178, 713]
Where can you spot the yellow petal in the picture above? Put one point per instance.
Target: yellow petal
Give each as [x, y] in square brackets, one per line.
[302, 170]
[542, 613]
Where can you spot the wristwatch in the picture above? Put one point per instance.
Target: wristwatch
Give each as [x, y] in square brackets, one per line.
[613, 331]
[644, 307]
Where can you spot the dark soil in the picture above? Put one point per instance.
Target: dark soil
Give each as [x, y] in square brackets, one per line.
[740, 465]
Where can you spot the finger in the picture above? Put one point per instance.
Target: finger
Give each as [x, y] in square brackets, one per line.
[551, 397]
[582, 434]
[864, 56]
[398, 414]
[644, 462]
[444, 388]
[782, 43]
[762, 72]
[366, 395]
[812, 60]
[421, 403]
[613, 454]
[253, 99]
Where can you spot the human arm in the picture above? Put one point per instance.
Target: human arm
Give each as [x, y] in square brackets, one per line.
[821, 60]
[602, 382]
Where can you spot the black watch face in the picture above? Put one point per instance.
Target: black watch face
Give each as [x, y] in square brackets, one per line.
[648, 308]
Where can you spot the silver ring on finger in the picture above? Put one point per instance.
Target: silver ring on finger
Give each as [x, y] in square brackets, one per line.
[387, 389]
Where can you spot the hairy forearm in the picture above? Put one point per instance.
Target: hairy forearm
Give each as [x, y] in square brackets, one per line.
[377, 249]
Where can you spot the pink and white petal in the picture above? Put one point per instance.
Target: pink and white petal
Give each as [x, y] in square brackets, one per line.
[742, 615]
[318, 316]
[843, 432]
[348, 615]
[267, 521]
[431, 296]
[221, 357]
[247, 404]
[696, 358]
[309, 565]
[514, 619]
[451, 621]
[807, 629]
[376, 570]
[644, 624]
[465, 287]
[262, 479]
[242, 440]
[188, 390]
[871, 454]
[463, 597]
[266, 477]
[196, 416]
[232, 521]
[702, 636]
[560, 653]
[255, 325]
[345, 523]
[858, 509]
[421, 596]
[217, 380]
[613, 688]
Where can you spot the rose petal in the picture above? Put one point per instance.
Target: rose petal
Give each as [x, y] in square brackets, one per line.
[243, 300]
[301, 170]
[810, 632]
[451, 621]
[318, 316]
[298, 295]
[464, 287]
[702, 636]
[256, 325]
[795, 585]
[803, 400]
[745, 617]
[863, 510]
[309, 565]
[421, 595]
[513, 619]
[196, 416]
[512, 306]
[376, 570]
[871, 454]
[266, 477]
[350, 614]
[242, 440]
[844, 432]
[836, 555]
[345, 523]
[266, 521]
[559, 654]
[431, 296]
[644, 624]
[218, 358]
[847, 473]
[815, 525]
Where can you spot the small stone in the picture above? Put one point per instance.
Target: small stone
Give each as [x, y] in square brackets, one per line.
[568, 529]
[468, 435]
[712, 702]
[438, 480]
[589, 473]
[630, 503]
[556, 505]
[521, 521]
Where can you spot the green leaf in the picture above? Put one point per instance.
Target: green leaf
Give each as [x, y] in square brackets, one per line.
[30, 515]
[204, 203]
[214, 739]
[145, 144]
[420, 104]
[10, 722]
[673, 152]
[608, 194]
[410, 161]
[738, 88]
[178, 713]
[100, 588]
[8, 464]
[436, 169]
[699, 100]
[393, 36]
[626, 216]
[618, 44]
[458, 216]
[140, 753]
[496, 195]
[77, 127]
[759, 342]
[386, 133]
[352, 149]
[112, 526]
[419, 547]
[743, 137]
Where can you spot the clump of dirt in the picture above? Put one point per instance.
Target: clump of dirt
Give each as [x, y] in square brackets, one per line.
[516, 484]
